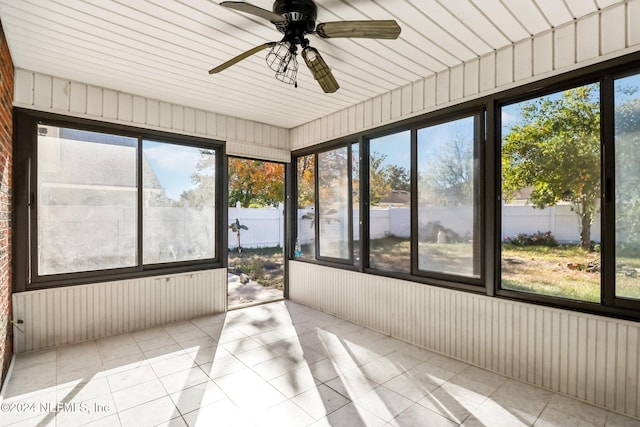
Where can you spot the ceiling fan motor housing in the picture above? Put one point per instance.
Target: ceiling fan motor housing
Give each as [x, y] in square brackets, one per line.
[301, 12]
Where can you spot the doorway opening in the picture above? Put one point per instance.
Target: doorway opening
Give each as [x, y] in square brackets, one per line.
[255, 256]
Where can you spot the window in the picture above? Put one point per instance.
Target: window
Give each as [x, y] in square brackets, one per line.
[87, 193]
[448, 218]
[109, 203]
[355, 200]
[531, 194]
[178, 203]
[390, 202]
[333, 212]
[551, 191]
[305, 246]
[627, 186]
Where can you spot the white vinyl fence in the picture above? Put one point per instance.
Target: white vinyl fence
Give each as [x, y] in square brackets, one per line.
[266, 227]
[560, 220]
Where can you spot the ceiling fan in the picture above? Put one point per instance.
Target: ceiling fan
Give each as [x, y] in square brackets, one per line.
[295, 19]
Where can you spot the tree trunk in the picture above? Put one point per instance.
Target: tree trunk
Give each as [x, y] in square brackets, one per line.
[586, 218]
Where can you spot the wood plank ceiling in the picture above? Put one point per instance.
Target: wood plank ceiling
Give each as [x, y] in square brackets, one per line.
[162, 49]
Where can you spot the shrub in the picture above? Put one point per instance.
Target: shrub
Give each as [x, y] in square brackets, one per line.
[536, 239]
[429, 233]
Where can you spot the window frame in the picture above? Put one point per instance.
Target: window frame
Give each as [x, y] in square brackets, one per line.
[604, 74]
[471, 284]
[349, 260]
[490, 181]
[25, 209]
[478, 114]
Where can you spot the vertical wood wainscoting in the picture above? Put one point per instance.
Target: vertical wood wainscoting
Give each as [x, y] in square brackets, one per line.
[74, 314]
[592, 358]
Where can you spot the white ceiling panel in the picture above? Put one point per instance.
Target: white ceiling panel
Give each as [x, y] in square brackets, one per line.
[163, 49]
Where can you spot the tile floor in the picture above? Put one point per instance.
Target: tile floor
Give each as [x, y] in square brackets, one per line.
[279, 364]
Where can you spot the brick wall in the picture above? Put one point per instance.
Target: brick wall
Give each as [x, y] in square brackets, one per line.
[6, 160]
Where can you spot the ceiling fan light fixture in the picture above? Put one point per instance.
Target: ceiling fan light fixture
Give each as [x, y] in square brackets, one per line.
[280, 55]
[320, 70]
[288, 74]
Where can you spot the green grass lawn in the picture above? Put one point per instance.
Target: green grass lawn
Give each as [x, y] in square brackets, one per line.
[564, 271]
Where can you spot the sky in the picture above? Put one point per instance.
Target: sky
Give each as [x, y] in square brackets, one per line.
[173, 165]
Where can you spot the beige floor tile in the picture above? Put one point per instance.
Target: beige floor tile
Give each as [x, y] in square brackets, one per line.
[36, 407]
[617, 420]
[492, 414]
[149, 333]
[139, 394]
[198, 343]
[167, 366]
[221, 413]
[79, 413]
[352, 415]
[156, 412]
[574, 410]
[190, 399]
[130, 378]
[324, 370]
[452, 407]
[156, 343]
[183, 379]
[352, 384]
[381, 370]
[116, 347]
[82, 391]
[223, 367]
[419, 416]
[525, 401]
[384, 403]
[294, 382]
[33, 380]
[241, 345]
[275, 367]
[285, 414]
[46, 359]
[320, 401]
[78, 374]
[255, 356]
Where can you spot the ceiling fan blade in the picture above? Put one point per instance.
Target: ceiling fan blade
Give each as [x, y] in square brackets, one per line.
[253, 10]
[320, 70]
[240, 57]
[386, 29]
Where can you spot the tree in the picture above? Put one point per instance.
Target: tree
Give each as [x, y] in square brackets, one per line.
[554, 148]
[627, 146]
[379, 185]
[398, 177]
[204, 181]
[448, 178]
[255, 183]
[306, 180]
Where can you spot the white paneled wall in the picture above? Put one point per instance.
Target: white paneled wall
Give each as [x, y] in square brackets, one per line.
[73, 314]
[592, 358]
[243, 137]
[604, 35]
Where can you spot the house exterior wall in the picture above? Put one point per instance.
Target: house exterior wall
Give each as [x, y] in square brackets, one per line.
[592, 358]
[6, 166]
